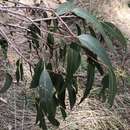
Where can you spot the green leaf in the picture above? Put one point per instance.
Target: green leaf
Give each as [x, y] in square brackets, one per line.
[40, 116]
[72, 94]
[79, 31]
[19, 71]
[64, 114]
[114, 32]
[50, 39]
[93, 20]
[105, 85]
[7, 84]
[94, 57]
[73, 63]
[46, 93]
[112, 87]
[34, 32]
[109, 87]
[54, 121]
[4, 46]
[46, 85]
[90, 79]
[89, 42]
[66, 7]
[37, 72]
[73, 59]
[58, 82]
[99, 68]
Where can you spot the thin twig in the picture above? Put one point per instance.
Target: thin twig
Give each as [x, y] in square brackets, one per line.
[13, 46]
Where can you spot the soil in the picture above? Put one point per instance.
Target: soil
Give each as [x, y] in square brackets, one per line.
[92, 114]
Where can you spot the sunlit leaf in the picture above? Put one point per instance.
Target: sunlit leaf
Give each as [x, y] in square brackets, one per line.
[93, 20]
[66, 7]
[89, 42]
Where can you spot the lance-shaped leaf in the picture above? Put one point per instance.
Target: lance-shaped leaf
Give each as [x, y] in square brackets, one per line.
[79, 31]
[112, 87]
[64, 114]
[93, 56]
[95, 22]
[73, 63]
[7, 84]
[40, 115]
[50, 39]
[105, 86]
[114, 32]
[66, 7]
[72, 93]
[91, 43]
[4, 46]
[73, 59]
[58, 82]
[19, 71]
[90, 79]
[37, 72]
[46, 93]
[34, 32]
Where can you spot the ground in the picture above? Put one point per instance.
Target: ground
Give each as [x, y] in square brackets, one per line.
[91, 114]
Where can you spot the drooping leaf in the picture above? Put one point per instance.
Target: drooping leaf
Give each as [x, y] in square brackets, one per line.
[50, 39]
[94, 57]
[64, 114]
[89, 42]
[19, 71]
[92, 31]
[115, 33]
[58, 82]
[54, 121]
[99, 68]
[46, 93]
[73, 63]
[73, 59]
[34, 32]
[66, 7]
[40, 119]
[55, 24]
[37, 72]
[109, 88]
[4, 46]
[72, 93]
[45, 15]
[105, 85]
[93, 20]
[78, 29]
[7, 84]
[112, 90]
[90, 79]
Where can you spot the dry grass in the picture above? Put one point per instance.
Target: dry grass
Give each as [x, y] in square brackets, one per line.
[90, 115]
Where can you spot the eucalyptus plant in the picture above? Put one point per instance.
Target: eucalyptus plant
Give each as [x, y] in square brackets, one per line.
[52, 83]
